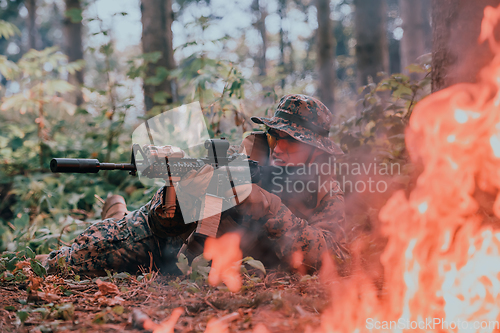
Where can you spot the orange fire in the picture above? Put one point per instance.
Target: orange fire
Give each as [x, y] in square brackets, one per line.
[166, 326]
[226, 256]
[260, 328]
[297, 262]
[216, 326]
[442, 259]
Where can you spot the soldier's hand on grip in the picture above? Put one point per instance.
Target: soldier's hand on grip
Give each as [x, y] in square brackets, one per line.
[258, 203]
[195, 183]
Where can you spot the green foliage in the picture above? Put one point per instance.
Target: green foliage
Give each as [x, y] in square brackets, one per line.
[199, 269]
[22, 315]
[8, 30]
[254, 263]
[12, 266]
[43, 210]
[137, 65]
[385, 111]
[74, 14]
[202, 76]
[40, 86]
[65, 311]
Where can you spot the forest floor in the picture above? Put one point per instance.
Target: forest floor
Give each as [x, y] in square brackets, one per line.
[282, 302]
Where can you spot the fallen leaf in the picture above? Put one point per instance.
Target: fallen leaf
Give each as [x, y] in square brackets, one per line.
[118, 309]
[117, 300]
[65, 311]
[23, 315]
[21, 264]
[37, 296]
[35, 282]
[106, 288]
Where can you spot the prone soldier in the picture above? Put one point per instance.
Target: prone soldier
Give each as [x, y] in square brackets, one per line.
[275, 226]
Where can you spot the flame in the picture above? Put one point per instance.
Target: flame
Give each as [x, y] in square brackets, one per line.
[166, 326]
[226, 257]
[442, 259]
[260, 328]
[297, 262]
[327, 272]
[216, 326]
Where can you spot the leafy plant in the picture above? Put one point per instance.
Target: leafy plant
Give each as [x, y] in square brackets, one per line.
[40, 209]
[38, 74]
[8, 30]
[199, 269]
[17, 267]
[386, 109]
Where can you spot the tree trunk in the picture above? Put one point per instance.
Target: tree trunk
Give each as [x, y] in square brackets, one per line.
[416, 26]
[326, 54]
[260, 24]
[282, 11]
[32, 30]
[157, 18]
[74, 50]
[371, 42]
[169, 53]
[456, 55]
[427, 7]
[394, 56]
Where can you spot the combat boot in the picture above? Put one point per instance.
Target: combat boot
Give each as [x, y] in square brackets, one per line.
[114, 207]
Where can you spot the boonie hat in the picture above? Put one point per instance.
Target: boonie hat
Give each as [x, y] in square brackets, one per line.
[305, 119]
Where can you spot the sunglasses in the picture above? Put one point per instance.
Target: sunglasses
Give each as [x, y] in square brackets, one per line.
[284, 141]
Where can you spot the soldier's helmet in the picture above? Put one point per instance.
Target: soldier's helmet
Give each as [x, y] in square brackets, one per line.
[305, 119]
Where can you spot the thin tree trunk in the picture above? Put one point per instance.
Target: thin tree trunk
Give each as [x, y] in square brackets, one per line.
[394, 56]
[74, 50]
[326, 54]
[260, 24]
[456, 55]
[371, 42]
[32, 31]
[416, 26]
[169, 53]
[290, 67]
[427, 8]
[156, 20]
[281, 11]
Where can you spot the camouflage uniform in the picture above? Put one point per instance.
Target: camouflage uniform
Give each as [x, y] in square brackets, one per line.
[125, 244]
[295, 226]
[146, 234]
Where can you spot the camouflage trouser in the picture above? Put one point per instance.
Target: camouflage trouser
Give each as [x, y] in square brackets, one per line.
[119, 245]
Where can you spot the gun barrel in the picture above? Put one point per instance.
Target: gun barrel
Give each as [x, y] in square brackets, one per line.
[84, 165]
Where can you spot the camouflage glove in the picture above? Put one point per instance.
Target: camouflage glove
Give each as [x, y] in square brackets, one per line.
[258, 203]
[191, 188]
[195, 183]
